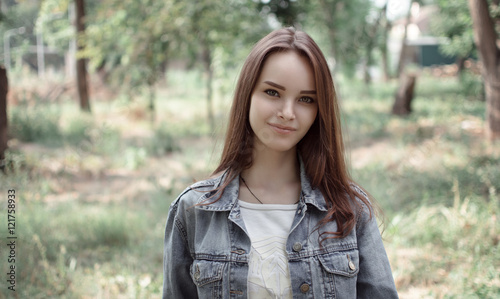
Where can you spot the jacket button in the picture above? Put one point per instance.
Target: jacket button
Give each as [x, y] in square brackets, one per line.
[297, 247]
[197, 273]
[352, 266]
[304, 288]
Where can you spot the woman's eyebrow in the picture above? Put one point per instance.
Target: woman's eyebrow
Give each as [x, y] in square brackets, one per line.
[275, 85]
[308, 92]
[283, 88]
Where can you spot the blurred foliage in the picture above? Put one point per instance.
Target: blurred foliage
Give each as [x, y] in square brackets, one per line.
[454, 22]
[163, 141]
[465, 251]
[50, 261]
[32, 124]
[345, 25]
[42, 124]
[438, 123]
[78, 130]
[434, 179]
[132, 42]
[287, 12]
[54, 22]
[472, 85]
[15, 16]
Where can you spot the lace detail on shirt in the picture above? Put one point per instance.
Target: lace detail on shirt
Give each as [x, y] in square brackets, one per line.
[268, 275]
[268, 227]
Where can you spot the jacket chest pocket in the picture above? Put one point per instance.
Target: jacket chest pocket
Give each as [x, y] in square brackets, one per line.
[339, 272]
[207, 276]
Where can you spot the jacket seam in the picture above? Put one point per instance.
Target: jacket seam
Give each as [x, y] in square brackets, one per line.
[182, 231]
[218, 258]
[313, 253]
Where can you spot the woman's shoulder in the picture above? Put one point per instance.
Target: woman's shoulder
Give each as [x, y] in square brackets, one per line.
[360, 192]
[197, 192]
[363, 203]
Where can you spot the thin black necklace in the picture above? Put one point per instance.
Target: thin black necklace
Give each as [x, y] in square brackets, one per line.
[243, 180]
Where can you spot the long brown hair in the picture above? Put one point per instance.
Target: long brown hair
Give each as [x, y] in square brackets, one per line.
[322, 148]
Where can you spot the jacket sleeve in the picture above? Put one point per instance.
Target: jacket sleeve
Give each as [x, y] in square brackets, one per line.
[177, 281]
[375, 276]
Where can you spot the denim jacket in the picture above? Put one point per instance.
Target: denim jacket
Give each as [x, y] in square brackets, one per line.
[207, 247]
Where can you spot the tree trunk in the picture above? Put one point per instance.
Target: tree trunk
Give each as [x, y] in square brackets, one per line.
[485, 38]
[371, 44]
[102, 73]
[383, 48]
[404, 95]
[4, 88]
[404, 47]
[329, 20]
[151, 100]
[81, 68]
[367, 77]
[460, 62]
[209, 73]
[151, 79]
[385, 63]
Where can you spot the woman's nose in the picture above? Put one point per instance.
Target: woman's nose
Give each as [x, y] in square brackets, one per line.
[287, 110]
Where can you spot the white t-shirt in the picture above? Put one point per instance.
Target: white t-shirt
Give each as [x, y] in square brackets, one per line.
[268, 226]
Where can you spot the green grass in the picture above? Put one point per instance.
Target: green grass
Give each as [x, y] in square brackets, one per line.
[63, 248]
[432, 173]
[437, 183]
[459, 247]
[35, 124]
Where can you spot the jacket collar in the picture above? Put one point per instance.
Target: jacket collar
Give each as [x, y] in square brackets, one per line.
[229, 198]
[310, 194]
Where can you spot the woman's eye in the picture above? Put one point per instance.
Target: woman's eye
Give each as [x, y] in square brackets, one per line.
[306, 100]
[272, 92]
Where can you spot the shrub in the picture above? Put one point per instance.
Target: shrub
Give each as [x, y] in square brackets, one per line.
[78, 131]
[34, 124]
[162, 141]
[454, 246]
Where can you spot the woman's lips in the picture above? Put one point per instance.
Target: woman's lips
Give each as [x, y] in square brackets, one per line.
[282, 129]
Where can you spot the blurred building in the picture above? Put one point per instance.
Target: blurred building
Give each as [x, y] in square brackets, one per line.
[422, 46]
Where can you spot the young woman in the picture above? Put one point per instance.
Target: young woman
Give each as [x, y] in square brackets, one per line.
[280, 217]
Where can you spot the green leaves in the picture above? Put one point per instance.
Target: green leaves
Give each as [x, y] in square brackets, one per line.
[344, 24]
[454, 22]
[133, 40]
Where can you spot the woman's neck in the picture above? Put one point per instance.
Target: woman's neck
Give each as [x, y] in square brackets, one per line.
[274, 176]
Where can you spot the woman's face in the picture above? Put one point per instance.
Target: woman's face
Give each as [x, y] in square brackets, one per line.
[284, 103]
